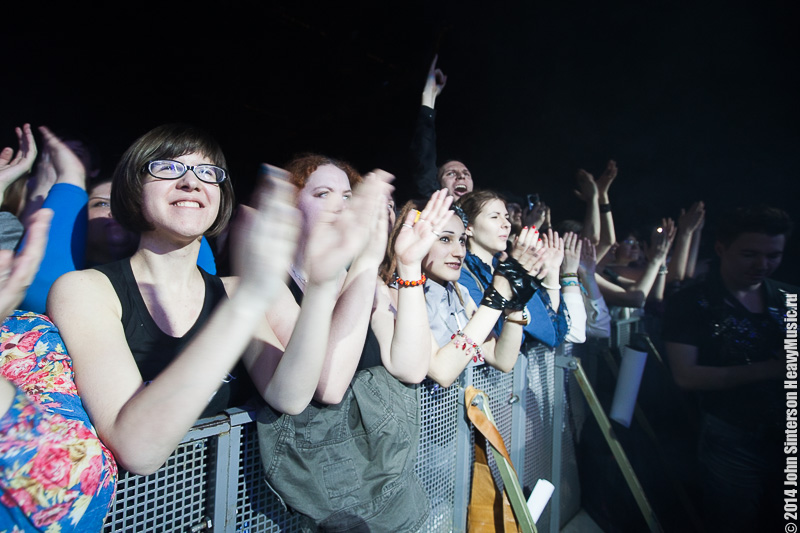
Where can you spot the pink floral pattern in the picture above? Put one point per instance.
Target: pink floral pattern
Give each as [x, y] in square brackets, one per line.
[55, 474]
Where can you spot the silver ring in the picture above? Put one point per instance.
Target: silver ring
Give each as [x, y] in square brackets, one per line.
[435, 233]
[407, 225]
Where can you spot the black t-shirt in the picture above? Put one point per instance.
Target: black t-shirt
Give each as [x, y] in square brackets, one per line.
[153, 350]
[708, 316]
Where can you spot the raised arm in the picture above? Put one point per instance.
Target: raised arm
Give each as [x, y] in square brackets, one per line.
[570, 288]
[588, 194]
[688, 223]
[359, 230]
[551, 283]
[476, 339]
[636, 294]
[66, 247]
[607, 234]
[662, 237]
[15, 166]
[523, 271]
[400, 321]
[598, 319]
[423, 143]
[17, 271]
[46, 175]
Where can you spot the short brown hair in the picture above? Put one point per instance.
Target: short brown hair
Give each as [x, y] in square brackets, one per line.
[167, 141]
[303, 165]
[473, 202]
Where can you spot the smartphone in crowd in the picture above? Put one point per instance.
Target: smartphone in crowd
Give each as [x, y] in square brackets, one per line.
[533, 199]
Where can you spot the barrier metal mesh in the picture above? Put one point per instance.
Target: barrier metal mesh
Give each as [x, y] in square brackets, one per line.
[175, 498]
[437, 459]
[499, 387]
[179, 497]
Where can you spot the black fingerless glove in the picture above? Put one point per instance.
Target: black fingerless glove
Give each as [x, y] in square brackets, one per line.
[523, 285]
[493, 299]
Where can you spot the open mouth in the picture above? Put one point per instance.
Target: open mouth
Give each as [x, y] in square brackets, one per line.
[460, 189]
[187, 204]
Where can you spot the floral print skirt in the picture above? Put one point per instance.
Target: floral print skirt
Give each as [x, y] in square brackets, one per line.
[55, 474]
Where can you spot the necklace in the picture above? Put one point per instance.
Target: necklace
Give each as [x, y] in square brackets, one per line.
[297, 275]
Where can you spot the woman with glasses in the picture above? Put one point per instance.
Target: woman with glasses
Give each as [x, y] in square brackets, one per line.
[83, 233]
[155, 341]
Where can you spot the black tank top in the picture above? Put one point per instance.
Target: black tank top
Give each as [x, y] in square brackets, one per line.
[370, 354]
[153, 350]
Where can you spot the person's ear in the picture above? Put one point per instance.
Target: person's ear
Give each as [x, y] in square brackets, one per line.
[468, 231]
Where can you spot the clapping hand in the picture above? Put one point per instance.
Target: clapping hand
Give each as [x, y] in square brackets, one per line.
[572, 252]
[606, 179]
[555, 246]
[17, 272]
[661, 240]
[359, 231]
[692, 220]
[588, 260]
[63, 159]
[587, 188]
[264, 237]
[13, 167]
[527, 249]
[415, 239]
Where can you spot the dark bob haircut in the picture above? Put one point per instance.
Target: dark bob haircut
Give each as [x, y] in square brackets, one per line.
[167, 141]
[759, 218]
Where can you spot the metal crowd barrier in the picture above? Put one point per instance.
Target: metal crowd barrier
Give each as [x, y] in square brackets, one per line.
[214, 481]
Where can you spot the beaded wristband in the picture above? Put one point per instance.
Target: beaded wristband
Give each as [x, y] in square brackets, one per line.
[467, 345]
[570, 283]
[605, 208]
[413, 283]
[569, 275]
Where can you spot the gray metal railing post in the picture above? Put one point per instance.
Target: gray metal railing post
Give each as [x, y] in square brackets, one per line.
[518, 418]
[559, 375]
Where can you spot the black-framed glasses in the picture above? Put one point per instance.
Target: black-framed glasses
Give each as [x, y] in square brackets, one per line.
[167, 169]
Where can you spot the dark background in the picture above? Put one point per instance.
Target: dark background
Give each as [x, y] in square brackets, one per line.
[693, 101]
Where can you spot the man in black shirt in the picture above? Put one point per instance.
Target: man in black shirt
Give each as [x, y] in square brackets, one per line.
[724, 340]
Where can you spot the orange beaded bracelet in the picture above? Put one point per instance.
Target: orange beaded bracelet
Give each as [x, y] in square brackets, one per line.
[404, 283]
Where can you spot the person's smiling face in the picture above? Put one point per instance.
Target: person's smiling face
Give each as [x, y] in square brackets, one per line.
[443, 261]
[185, 206]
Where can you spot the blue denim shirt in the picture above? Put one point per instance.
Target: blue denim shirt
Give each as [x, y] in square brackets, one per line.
[546, 326]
